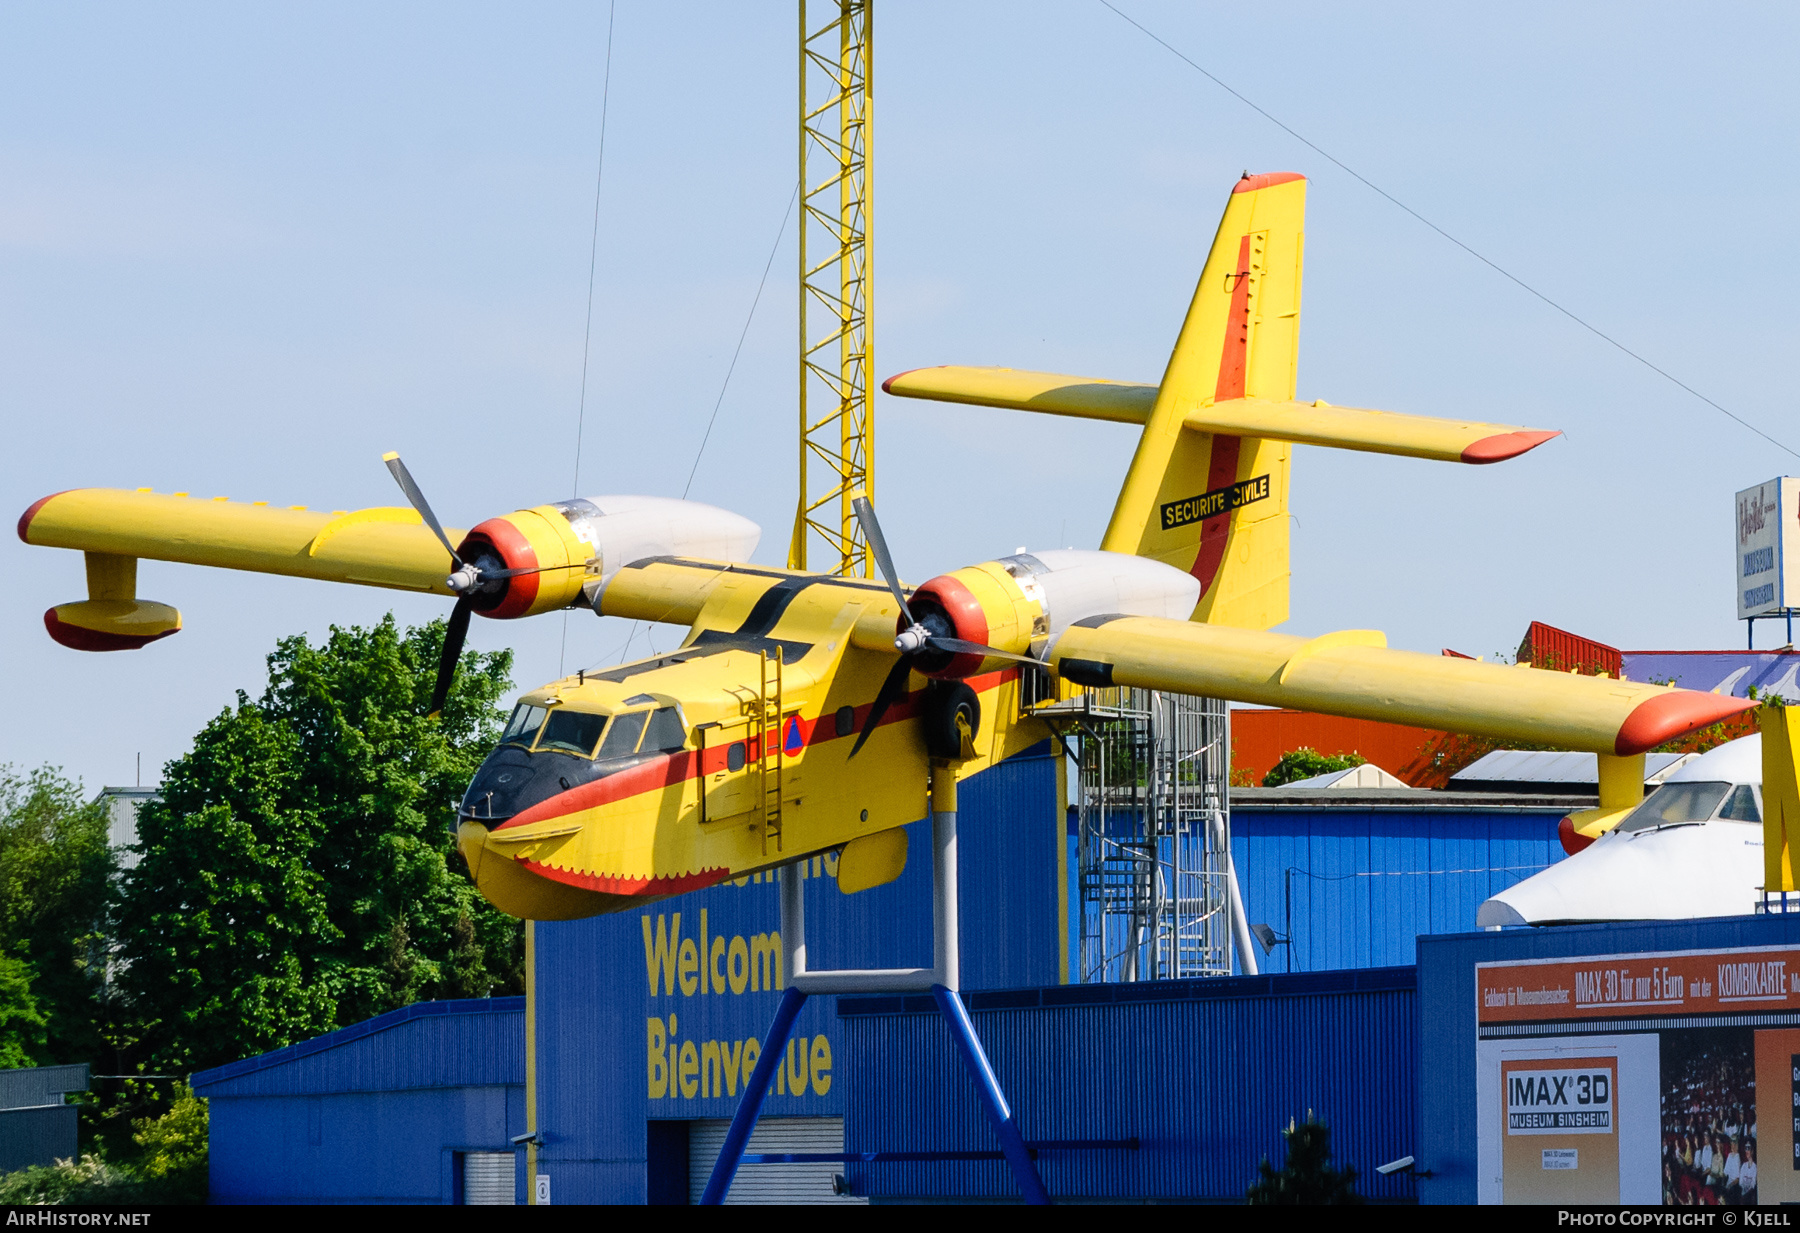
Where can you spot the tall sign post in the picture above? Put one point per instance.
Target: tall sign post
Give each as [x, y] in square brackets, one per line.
[1767, 563]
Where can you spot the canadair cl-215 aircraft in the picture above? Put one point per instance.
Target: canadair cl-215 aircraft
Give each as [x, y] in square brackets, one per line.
[806, 713]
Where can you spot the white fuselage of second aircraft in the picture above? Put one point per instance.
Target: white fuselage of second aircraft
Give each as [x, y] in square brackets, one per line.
[1693, 848]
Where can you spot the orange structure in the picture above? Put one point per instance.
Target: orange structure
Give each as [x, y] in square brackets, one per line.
[1260, 737]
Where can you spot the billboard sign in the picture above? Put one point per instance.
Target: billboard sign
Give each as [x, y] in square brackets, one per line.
[1767, 564]
[1649, 1078]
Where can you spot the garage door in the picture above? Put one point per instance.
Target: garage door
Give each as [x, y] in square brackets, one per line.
[488, 1178]
[772, 1183]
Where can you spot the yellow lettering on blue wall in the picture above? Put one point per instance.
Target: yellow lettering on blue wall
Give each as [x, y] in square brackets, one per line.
[821, 1065]
[796, 1078]
[659, 957]
[688, 1068]
[739, 965]
[712, 1067]
[732, 1052]
[765, 962]
[690, 963]
[712, 965]
[659, 1063]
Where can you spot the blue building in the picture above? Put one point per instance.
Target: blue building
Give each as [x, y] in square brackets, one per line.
[642, 1027]
[419, 1105]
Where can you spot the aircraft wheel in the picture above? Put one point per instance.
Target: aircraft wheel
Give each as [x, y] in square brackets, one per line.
[945, 703]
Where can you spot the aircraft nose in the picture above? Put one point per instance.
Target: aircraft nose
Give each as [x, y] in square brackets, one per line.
[1496, 913]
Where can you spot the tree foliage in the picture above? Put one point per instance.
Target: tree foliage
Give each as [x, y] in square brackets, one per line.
[1307, 1176]
[299, 873]
[54, 865]
[1304, 763]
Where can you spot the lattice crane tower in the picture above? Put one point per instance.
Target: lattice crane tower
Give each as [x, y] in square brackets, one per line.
[837, 363]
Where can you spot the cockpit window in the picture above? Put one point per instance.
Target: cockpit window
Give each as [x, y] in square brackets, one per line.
[523, 725]
[1676, 802]
[622, 739]
[664, 733]
[572, 732]
[1741, 806]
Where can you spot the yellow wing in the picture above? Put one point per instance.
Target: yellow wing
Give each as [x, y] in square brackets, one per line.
[380, 547]
[1304, 423]
[1353, 673]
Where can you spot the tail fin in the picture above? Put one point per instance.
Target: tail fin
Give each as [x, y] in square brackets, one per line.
[1208, 503]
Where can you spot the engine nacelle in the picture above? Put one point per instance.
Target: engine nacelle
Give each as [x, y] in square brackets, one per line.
[1022, 603]
[576, 545]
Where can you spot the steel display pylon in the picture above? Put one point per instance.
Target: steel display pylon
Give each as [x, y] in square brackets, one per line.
[942, 980]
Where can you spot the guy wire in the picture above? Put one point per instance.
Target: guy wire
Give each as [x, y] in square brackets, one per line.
[587, 328]
[1492, 265]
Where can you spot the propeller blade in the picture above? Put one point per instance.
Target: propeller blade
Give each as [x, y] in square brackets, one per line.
[963, 647]
[892, 690]
[454, 633]
[404, 478]
[865, 514]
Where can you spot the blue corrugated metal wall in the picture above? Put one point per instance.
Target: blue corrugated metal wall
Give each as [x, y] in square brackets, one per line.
[371, 1113]
[1204, 1073]
[1368, 882]
[1447, 1119]
[601, 1026]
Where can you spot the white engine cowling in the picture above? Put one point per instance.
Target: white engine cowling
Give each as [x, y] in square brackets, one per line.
[1023, 602]
[623, 529]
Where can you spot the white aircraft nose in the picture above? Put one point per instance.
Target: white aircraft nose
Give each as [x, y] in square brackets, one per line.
[1679, 872]
[1497, 912]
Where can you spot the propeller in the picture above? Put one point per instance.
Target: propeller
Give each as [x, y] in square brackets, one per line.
[920, 637]
[467, 580]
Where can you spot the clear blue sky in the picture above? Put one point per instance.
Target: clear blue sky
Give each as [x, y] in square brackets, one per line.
[246, 249]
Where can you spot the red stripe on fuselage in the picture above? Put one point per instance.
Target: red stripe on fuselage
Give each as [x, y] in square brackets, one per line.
[671, 769]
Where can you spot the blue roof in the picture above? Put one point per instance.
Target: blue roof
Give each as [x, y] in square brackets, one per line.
[466, 1042]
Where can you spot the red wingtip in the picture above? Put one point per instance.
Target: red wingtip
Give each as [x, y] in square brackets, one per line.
[887, 387]
[79, 638]
[1667, 716]
[1269, 179]
[30, 513]
[1501, 446]
[1573, 840]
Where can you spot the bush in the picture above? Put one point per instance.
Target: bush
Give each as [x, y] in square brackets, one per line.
[175, 1143]
[88, 1180]
[1304, 763]
[173, 1168]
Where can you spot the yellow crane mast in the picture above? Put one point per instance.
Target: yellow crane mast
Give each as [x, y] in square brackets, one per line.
[837, 362]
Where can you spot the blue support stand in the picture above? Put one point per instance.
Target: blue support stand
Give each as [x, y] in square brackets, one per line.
[731, 1154]
[942, 980]
[1012, 1143]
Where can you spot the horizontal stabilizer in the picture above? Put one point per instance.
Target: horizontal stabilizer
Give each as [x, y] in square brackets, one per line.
[1015, 389]
[1303, 423]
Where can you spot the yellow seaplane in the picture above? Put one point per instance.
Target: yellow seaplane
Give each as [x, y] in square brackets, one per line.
[803, 713]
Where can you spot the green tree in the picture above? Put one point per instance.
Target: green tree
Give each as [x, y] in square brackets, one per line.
[54, 866]
[1307, 1176]
[21, 1022]
[299, 873]
[1304, 763]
